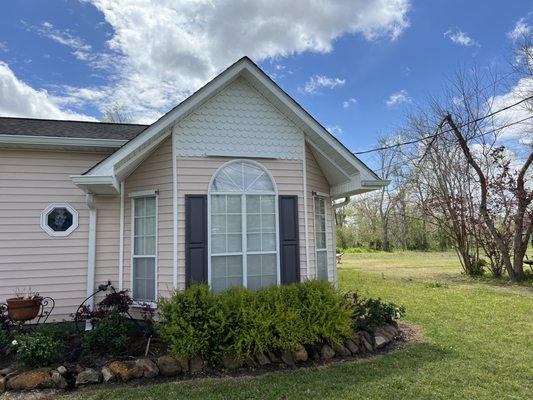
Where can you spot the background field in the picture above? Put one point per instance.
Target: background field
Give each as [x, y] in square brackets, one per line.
[479, 341]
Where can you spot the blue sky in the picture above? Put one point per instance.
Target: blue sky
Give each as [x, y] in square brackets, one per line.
[357, 66]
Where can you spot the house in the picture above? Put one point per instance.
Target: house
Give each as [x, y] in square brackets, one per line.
[234, 186]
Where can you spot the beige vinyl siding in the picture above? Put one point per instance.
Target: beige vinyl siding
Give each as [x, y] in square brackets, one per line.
[194, 175]
[29, 257]
[107, 241]
[317, 182]
[155, 173]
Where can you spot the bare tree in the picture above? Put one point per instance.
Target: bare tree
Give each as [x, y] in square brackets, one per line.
[115, 113]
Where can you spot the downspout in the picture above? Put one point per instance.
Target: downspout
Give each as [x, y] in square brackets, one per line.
[306, 222]
[91, 256]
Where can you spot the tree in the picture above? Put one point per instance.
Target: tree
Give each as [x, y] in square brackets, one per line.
[115, 113]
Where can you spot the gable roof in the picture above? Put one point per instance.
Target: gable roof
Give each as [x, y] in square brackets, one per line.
[347, 173]
[36, 133]
[68, 129]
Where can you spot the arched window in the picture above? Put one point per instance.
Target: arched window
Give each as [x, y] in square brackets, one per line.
[243, 226]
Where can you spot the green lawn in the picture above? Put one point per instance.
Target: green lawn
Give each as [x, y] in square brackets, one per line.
[478, 342]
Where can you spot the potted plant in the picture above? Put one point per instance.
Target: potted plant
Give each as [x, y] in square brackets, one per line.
[24, 306]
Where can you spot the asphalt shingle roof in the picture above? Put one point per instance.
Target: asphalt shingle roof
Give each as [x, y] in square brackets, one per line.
[68, 129]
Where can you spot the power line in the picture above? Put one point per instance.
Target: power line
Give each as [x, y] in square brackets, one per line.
[445, 131]
[474, 137]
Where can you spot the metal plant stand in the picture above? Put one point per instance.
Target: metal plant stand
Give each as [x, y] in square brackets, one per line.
[46, 307]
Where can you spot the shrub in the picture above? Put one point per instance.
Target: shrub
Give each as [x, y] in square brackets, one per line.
[188, 319]
[108, 336]
[477, 267]
[368, 314]
[37, 349]
[243, 323]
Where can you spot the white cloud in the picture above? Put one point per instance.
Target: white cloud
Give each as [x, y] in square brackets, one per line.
[160, 52]
[522, 132]
[18, 99]
[335, 129]
[350, 102]
[317, 82]
[80, 49]
[3, 47]
[398, 98]
[170, 48]
[457, 36]
[521, 30]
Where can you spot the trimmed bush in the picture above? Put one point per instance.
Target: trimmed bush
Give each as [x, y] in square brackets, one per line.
[37, 349]
[242, 323]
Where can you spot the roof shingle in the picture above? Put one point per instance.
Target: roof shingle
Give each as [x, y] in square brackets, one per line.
[69, 129]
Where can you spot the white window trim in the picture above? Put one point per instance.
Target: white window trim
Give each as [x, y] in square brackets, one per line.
[326, 249]
[50, 231]
[244, 252]
[133, 196]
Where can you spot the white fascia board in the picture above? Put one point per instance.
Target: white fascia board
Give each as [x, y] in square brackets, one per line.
[39, 141]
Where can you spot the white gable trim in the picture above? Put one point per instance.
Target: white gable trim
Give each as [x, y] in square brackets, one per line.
[121, 163]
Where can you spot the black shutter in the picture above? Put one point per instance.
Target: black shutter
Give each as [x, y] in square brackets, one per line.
[289, 239]
[195, 239]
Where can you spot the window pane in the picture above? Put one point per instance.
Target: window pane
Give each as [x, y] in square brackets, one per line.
[144, 279]
[263, 184]
[234, 243]
[268, 223]
[150, 206]
[218, 204]
[218, 267]
[218, 224]
[321, 240]
[254, 265]
[321, 265]
[226, 271]
[149, 243]
[218, 243]
[253, 223]
[254, 242]
[234, 204]
[59, 219]
[261, 270]
[267, 204]
[234, 266]
[251, 174]
[139, 246]
[253, 204]
[149, 226]
[269, 242]
[234, 223]
[139, 206]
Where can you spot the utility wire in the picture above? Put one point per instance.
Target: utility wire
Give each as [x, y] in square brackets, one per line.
[445, 131]
[404, 161]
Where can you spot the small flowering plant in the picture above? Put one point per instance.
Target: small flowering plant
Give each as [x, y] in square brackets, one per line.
[368, 314]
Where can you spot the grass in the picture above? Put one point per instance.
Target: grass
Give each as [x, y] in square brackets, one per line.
[478, 342]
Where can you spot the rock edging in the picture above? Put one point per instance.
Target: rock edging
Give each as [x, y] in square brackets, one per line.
[168, 366]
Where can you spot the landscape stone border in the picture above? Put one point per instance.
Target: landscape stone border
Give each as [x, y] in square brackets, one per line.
[363, 343]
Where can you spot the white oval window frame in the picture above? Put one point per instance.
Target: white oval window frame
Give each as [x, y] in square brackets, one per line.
[49, 209]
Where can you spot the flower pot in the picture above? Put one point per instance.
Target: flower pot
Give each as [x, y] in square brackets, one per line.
[23, 309]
